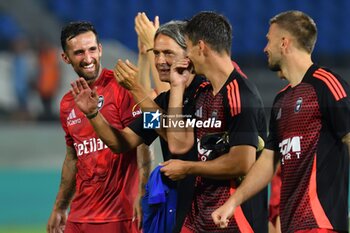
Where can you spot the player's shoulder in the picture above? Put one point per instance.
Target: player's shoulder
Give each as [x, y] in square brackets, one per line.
[198, 85]
[240, 87]
[110, 85]
[325, 80]
[237, 78]
[283, 91]
[199, 82]
[66, 99]
[107, 79]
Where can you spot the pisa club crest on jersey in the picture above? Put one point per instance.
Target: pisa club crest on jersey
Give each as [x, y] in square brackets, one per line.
[100, 102]
[151, 120]
[298, 104]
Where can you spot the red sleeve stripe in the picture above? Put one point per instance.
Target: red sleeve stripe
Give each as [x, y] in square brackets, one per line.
[316, 207]
[201, 86]
[336, 81]
[234, 98]
[204, 84]
[332, 83]
[241, 220]
[230, 101]
[238, 96]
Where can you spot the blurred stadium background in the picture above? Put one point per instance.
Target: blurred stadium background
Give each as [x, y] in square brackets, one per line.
[32, 146]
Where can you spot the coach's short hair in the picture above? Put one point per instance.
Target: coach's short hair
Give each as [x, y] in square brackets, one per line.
[73, 29]
[175, 30]
[212, 28]
[299, 25]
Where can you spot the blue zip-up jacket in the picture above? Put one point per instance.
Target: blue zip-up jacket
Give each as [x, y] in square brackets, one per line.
[159, 204]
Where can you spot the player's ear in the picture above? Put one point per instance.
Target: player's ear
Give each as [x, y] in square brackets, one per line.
[65, 58]
[284, 42]
[203, 47]
[100, 48]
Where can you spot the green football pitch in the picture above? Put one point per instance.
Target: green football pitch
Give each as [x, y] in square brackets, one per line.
[29, 197]
[23, 229]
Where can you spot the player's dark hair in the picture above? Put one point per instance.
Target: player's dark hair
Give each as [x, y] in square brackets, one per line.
[175, 30]
[73, 29]
[299, 25]
[213, 29]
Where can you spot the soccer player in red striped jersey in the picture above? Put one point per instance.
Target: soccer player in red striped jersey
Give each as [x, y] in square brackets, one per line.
[98, 185]
[309, 135]
[231, 99]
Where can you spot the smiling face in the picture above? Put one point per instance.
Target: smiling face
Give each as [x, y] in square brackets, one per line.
[273, 48]
[166, 51]
[84, 54]
[193, 54]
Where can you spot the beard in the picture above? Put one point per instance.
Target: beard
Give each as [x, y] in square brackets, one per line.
[274, 66]
[89, 76]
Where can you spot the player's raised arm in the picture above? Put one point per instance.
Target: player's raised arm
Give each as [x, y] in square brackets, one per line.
[146, 31]
[87, 99]
[126, 74]
[180, 139]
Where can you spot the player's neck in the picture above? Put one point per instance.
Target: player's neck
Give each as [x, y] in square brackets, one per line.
[190, 79]
[91, 82]
[217, 72]
[295, 69]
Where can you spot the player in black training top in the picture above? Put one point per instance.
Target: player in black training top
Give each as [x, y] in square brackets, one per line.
[309, 134]
[228, 108]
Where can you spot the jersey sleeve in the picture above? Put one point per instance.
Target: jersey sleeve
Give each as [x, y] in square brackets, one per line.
[147, 135]
[162, 100]
[335, 107]
[244, 127]
[63, 120]
[247, 119]
[272, 142]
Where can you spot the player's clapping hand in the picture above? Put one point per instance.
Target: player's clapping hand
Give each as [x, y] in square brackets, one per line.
[146, 29]
[85, 98]
[175, 169]
[126, 74]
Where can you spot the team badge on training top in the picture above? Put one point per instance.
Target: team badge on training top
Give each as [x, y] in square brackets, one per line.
[279, 114]
[298, 104]
[151, 120]
[101, 100]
